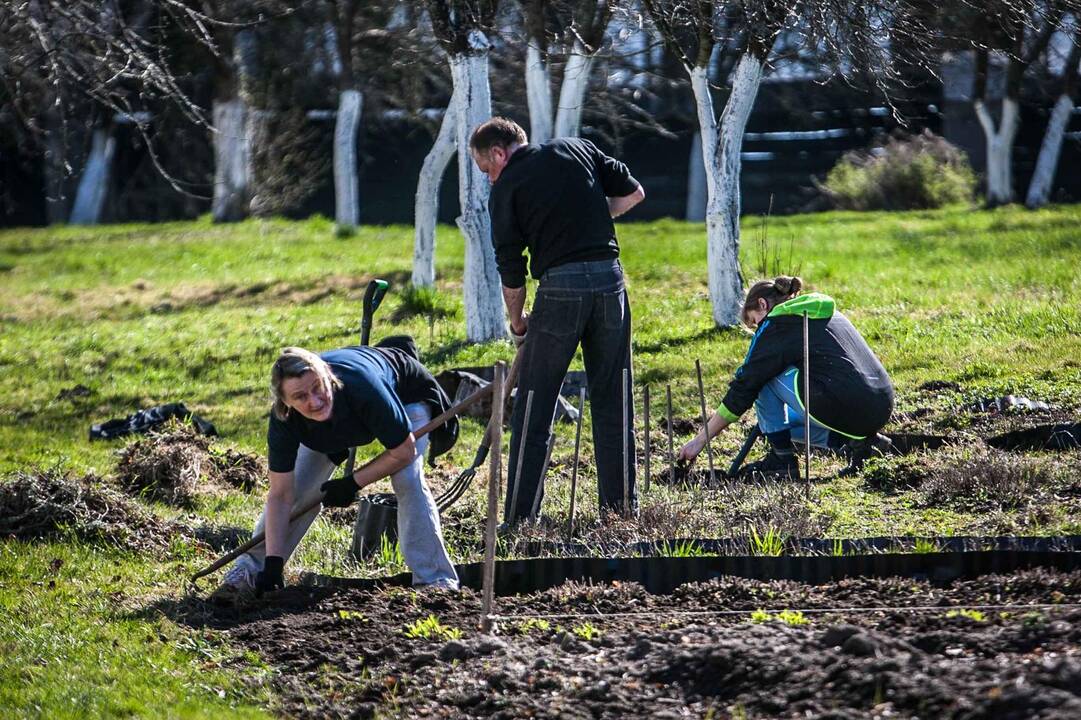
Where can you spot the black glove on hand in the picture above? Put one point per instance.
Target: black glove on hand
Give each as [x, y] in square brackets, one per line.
[340, 492]
[270, 577]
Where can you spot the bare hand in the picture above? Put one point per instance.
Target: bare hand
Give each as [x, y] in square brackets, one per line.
[690, 451]
[521, 325]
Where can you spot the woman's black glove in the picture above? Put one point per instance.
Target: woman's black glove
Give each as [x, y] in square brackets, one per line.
[340, 492]
[270, 577]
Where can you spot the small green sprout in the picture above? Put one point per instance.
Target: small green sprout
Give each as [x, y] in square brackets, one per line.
[587, 631]
[973, 615]
[527, 626]
[793, 618]
[431, 629]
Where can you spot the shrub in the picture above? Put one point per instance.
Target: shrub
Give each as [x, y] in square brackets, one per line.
[907, 173]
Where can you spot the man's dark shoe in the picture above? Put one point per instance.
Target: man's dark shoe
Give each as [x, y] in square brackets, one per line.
[860, 451]
[773, 466]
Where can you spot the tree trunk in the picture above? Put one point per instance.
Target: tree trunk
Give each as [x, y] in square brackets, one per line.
[232, 161]
[696, 182]
[482, 298]
[999, 149]
[96, 179]
[1039, 190]
[721, 146]
[572, 93]
[538, 95]
[426, 206]
[346, 194]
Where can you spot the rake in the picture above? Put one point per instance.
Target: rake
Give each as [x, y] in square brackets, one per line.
[457, 489]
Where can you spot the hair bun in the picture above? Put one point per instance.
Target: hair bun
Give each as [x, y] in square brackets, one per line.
[787, 285]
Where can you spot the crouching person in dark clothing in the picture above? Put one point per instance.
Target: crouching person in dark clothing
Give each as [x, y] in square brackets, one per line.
[557, 201]
[851, 393]
[324, 405]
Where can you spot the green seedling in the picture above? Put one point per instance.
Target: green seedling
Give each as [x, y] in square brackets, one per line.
[924, 546]
[838, 548]
[793, 618]
[973, 615]
[527, 626]
[587, 631]
[352, 615]
[768, 544]
[431, 629]
[684, 548]
[389, 554]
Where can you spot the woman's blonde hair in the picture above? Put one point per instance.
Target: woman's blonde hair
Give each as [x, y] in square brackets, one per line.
[774, 292]
[292, 363]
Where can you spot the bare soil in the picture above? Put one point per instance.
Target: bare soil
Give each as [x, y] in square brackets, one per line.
[345, 653]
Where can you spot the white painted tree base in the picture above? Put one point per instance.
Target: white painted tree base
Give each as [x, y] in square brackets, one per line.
[426, 203]
[1043, 177]
[346, 192]
[95, 180]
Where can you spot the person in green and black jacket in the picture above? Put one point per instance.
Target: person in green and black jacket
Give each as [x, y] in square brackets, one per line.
[851, 393]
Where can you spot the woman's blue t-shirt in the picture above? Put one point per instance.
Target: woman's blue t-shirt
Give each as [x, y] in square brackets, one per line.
[366, 408]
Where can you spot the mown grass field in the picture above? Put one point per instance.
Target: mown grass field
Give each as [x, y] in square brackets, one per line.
[145, 314]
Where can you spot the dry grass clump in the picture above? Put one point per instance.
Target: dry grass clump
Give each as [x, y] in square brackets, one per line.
[175, 464]
[765, 506]
[970, 476]
[49, 503]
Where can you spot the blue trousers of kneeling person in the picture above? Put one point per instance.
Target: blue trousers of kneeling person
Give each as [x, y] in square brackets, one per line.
[780, 411]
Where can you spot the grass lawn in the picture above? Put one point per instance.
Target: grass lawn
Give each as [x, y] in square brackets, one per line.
[138, 315]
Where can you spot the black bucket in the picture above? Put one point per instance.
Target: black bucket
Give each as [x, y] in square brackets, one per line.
[377, 515]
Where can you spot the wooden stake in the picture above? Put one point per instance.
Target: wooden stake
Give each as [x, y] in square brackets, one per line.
[645, 413]
[626, 445]
[671, 453]
[495, 470]
[806, 404]
[535, 507]
[522, 432]
[705, 417]
[574, 469]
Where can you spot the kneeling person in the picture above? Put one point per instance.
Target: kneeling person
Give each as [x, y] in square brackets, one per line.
[324, 405]
[851, 393]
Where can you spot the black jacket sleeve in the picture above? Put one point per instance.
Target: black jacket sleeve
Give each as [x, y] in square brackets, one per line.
[615, 177]
[767, 358]
[506, 238]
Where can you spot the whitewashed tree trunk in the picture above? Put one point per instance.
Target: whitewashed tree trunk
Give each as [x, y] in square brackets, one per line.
[232, 161]
[572, 93]
[95, 180]
[999, 149]
[482, 297]
[721, 146]
[426, 205]
[696, 182]
[538, 95]
[1039, 189]
[346, 193]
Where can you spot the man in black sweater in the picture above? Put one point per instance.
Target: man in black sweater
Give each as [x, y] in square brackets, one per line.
[557, 200]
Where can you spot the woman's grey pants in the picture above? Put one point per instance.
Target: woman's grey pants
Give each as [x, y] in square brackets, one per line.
[419, 531]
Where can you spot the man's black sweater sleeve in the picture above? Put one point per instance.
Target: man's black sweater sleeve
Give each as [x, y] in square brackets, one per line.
[616, 178]
[508, 241]
[766, 359]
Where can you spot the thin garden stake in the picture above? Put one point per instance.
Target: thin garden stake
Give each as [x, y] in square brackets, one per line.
[671, 454]
[626, 446]
[535, 507]
[705, 417]
[574, 469]
[645, 413]
[806, 404]
[513, 510]
[495, 470]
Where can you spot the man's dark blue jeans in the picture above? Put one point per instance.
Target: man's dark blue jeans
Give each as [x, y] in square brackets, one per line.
[576, 303]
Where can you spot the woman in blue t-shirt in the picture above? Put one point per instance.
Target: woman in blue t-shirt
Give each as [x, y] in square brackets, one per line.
[324, 405]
